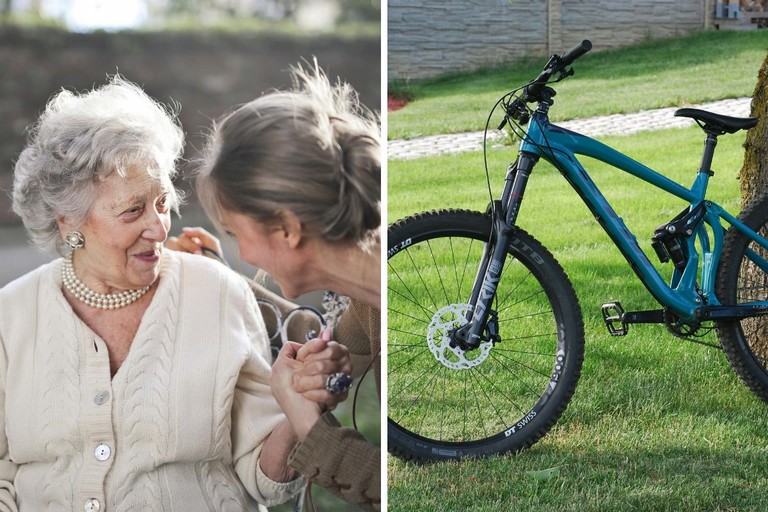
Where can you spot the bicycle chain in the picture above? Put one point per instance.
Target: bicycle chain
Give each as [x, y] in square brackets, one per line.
[671, 321]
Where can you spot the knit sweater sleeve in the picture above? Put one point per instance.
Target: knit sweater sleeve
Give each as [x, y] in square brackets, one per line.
[351, 332]
[342, 461]
[358, 329]
[7, 468]
[255, 411]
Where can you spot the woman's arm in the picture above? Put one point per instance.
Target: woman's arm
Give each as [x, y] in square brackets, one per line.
[339, 459]
[302, 413]
[260, 435]
[262, 439]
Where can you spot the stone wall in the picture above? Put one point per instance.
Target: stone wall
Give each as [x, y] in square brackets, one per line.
[432, 37]
[207, 73]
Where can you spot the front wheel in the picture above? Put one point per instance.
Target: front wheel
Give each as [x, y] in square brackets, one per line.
[740, 280]
[447, 403]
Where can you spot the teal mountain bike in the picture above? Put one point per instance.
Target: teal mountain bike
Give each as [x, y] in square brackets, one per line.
[485, 332]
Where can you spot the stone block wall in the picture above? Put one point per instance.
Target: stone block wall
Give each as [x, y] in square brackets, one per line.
[433, 37]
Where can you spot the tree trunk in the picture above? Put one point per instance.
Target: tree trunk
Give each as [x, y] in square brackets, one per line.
[754, 182]
[754, 172]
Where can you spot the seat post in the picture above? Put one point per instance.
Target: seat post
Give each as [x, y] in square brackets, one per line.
[709, 152]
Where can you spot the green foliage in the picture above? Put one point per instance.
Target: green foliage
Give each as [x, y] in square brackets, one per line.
[261, 26]
[31, 20]
[401, 89]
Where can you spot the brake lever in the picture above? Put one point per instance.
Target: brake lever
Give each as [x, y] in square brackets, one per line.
[515, 110]
[565, 73]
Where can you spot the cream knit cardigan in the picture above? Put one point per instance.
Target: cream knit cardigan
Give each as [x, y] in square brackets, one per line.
[180, 426]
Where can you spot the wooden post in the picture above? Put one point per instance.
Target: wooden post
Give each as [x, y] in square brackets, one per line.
[708, 12]
[554, 27]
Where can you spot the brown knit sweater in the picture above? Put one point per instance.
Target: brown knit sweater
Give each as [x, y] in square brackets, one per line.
[338, 458]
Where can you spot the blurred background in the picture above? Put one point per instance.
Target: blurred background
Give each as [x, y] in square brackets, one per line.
[206, 55]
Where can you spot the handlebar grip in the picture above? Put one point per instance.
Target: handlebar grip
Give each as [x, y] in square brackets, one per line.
[576, 52]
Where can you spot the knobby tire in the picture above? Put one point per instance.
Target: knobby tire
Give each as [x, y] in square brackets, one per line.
[444, 403]
[745, 342]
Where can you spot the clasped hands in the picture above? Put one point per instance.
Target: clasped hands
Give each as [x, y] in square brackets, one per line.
[300, 376]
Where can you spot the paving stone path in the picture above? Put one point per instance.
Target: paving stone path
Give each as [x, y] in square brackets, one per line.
[615, 124]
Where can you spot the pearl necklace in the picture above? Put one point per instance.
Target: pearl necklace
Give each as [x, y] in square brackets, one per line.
[96, 300]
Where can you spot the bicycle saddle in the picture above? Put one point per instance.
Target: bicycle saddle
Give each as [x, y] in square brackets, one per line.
[710, 120]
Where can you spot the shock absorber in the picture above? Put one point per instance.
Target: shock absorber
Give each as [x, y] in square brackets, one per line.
[670, 246]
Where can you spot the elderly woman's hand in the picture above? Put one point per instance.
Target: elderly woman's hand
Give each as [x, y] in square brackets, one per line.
[196, 241]
[301, 412]
[320, 358]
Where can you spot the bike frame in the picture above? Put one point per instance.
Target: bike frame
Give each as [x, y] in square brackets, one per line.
[688, 296]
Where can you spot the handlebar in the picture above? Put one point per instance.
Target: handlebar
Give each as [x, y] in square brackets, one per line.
[577, 51]
[533, 91]
[556, 64]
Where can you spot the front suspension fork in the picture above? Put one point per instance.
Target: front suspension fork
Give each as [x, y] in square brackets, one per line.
[503, 217]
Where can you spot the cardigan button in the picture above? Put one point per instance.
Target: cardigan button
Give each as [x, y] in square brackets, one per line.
[101, 397]
[102, 452]
[92, 505]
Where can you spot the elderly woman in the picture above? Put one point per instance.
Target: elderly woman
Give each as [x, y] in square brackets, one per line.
[131, 378]
[295, 178]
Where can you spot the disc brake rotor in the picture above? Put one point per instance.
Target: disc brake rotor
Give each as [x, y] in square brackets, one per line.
[444, 322]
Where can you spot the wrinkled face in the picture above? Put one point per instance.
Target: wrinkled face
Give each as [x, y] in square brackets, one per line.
[267, 248]
[124, 233]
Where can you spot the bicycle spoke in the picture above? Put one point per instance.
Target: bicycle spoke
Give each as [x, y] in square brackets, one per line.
[393, 370]
[491, 402]
[526, 352]
[413, 299]
[441, 396]
[523, 365]
[523, 299]
[465, 266]
[418, 336]
[529, 315]
[430, 403]
[479, 412]
[420, 320]
[419, 391]
[439, 275]
[426, 288]
[405, 348]
[506, 278]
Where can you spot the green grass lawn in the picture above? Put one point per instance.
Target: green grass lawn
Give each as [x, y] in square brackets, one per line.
[696, 68]
[656, 423]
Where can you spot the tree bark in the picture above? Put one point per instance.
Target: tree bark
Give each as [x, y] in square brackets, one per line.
[754, 171]
[754, 182]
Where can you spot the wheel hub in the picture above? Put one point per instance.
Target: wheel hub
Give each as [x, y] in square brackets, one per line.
[439, 335]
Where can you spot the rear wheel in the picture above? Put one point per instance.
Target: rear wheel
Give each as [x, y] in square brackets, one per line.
[739, 280]
[447, 403]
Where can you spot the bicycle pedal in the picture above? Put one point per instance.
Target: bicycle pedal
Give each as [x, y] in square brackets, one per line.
[613, 315]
